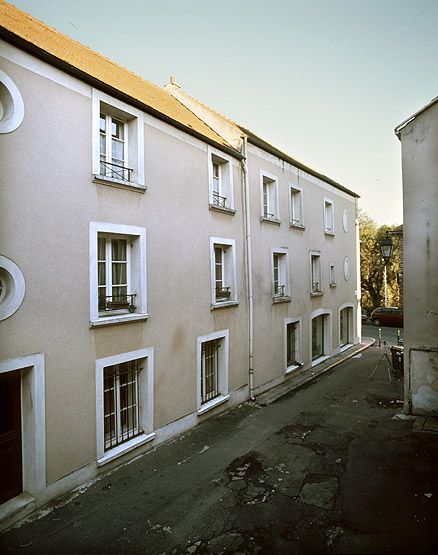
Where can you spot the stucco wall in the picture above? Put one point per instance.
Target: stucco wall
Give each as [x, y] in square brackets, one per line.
[420, 201]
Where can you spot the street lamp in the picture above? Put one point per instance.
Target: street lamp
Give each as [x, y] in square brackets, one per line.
[386, 248]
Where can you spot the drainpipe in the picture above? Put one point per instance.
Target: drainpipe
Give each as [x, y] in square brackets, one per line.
[358, 280]
[248, 261]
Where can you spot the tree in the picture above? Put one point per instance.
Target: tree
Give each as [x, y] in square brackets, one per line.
[372, 264]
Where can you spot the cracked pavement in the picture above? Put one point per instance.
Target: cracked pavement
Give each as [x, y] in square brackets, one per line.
[325, 469]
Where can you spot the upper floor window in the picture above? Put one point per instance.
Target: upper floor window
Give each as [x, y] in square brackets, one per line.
[332, 275]
[223, 271]
[280, 275]
[220, 181]
[296, 206]
[118, 143]
[315, 273]
[11, 105]
[329, 217]
[269, 197]
[117, 273]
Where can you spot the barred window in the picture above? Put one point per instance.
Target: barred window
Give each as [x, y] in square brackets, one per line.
[121, 403]
[210, 370]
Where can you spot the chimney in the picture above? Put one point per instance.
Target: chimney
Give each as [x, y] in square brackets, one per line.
[172, 81]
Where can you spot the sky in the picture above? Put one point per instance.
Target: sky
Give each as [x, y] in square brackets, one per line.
[326, 81]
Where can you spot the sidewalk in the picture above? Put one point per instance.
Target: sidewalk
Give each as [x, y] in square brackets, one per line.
[330, 467]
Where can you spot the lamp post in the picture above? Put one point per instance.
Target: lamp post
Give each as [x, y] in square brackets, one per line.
[386, 248]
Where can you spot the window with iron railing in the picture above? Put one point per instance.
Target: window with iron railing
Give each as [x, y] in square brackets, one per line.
[280, 283]
[210, 370]
[269, 197]
[315, 269]
[113, 148]
[221, 181]
[328, 217]
[121, 403]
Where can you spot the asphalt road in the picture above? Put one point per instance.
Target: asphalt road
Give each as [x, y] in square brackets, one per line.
[328, 468]
[388, 334]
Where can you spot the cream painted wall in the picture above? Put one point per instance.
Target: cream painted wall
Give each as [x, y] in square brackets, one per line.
[419, 140]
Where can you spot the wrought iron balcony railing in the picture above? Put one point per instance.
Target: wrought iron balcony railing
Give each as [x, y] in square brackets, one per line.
[118, 302]
[279, 290]
[223, 293]
[267, 214]
[115, 171]
[315, 287]
[220, 202]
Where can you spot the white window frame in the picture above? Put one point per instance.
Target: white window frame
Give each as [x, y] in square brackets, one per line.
[327, 334]
[346, 267]
[272, 206]
[351, 326]
[228, 247]
[137, 238]
[329, 208]
[282, 256]
[298, 343]
[332, 274]
[12, 103]
[134, 140]
[13, 287]
[315, 292]
[223, 396]
[225, 202]
[146, 400]
[296, 196]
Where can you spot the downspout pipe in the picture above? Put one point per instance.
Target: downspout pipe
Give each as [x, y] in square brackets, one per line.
[248, 249]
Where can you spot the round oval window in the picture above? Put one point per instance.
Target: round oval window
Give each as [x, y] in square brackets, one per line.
[346, 268]
[12, 287]
[345, 220]
[11, 105]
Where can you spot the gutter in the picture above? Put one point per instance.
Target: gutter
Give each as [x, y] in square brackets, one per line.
[248, 248]
[51, 59]
[406, 122]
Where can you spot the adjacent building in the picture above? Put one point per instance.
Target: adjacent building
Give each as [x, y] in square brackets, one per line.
[158, 264]
[419, 142]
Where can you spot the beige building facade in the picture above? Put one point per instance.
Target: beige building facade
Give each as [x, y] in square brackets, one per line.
[419, 146]
[155, 269]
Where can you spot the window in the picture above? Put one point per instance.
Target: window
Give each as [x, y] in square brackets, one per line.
[269, 197]
[346, 326]
[296, 206]
[212, 370]
[12, 287]
[318, 339]
[280, 275]
[117, 273]
[293, 344]
[346, 269]
[315, 273]
[345, 220]
[11, 104]
[328, 217]
[223, 271]
[118, 143]
[332, 274]
[221, 181]
[124, 403]
[121, 402]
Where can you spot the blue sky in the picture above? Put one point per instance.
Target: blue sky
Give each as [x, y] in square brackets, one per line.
[325, 80]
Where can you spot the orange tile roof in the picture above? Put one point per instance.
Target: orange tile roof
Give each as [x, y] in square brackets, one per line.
[26, 32]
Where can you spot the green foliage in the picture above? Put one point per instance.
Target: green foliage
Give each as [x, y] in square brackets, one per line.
[372, 265]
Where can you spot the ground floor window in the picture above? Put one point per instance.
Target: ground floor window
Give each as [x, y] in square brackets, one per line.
[318, 340]
[121, 403]
[210, 370]
[292, 344]
[345, 325]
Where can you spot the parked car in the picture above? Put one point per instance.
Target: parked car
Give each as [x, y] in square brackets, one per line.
[391, 316]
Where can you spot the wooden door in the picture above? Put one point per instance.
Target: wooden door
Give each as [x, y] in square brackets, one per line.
[11, 483]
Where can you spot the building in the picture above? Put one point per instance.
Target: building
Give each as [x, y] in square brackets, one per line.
[155, 269]
[419, 144]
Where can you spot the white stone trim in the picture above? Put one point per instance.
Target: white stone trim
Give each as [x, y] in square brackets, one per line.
[33, 420]
[327, 229]
[293, 320]
[229, 271]
[299, 189]
[13, 277]
[12, 103]
[146, 397]
[328, 342]
[134, 140]
[353, 334]
[223, 370]
[138, 272]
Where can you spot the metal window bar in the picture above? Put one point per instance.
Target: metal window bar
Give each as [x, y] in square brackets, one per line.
[210, 370]
[279, 290]
[315, 287]
[117, 302]
[115, 171]
[121, 403]
[223, 292]
[219, 201]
